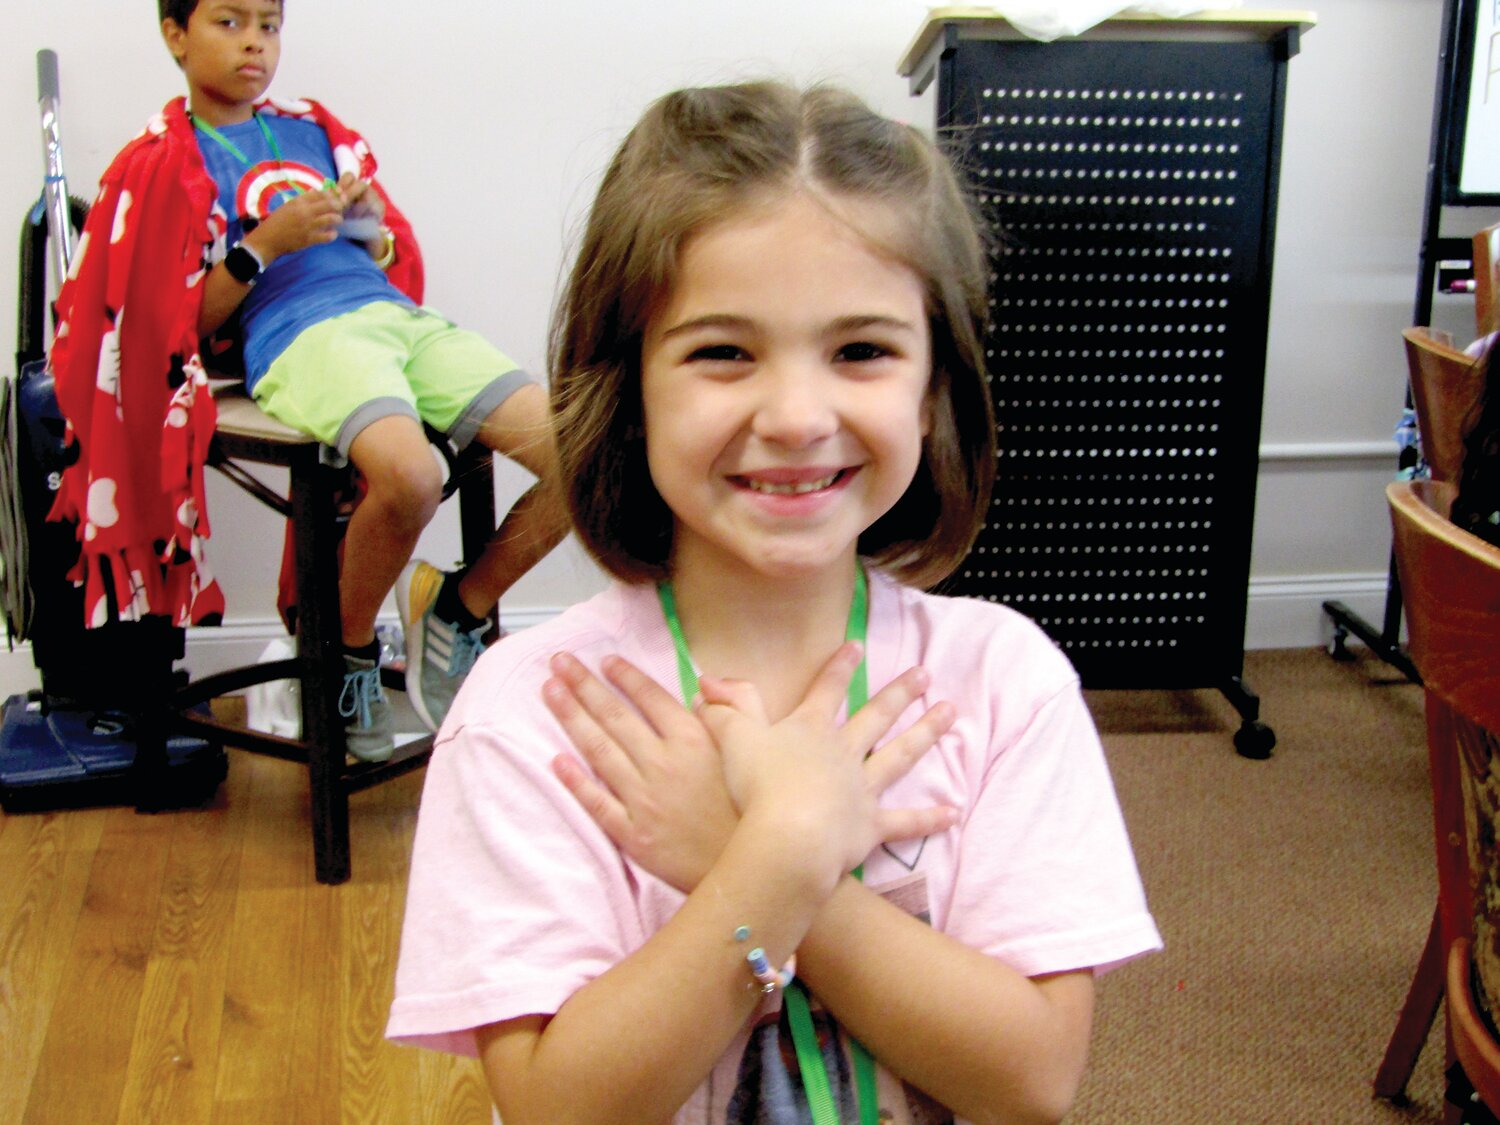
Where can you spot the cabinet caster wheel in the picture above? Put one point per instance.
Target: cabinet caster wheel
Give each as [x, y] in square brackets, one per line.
[1254, 740]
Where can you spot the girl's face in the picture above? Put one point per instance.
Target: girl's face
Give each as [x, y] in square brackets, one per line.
[784, 387]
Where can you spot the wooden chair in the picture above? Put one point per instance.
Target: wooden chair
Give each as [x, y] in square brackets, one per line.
[1451, 580]
[1486, 260]
[1446, 386]
[245, 434]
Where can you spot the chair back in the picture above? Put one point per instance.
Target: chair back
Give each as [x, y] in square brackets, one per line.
[1446, 386]
[1486, 260]
[1450, 581]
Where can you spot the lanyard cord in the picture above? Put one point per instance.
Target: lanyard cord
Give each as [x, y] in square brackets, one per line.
[233, 149]
[799, 1014]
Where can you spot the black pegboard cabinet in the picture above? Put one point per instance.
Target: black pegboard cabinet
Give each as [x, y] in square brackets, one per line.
[1132, 179]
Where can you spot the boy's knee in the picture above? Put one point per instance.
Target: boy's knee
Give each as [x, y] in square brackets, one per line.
[411, 488]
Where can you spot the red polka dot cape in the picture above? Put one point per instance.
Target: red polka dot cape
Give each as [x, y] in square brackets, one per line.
[129, 375]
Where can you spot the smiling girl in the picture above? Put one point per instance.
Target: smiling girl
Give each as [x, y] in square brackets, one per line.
[763, 833]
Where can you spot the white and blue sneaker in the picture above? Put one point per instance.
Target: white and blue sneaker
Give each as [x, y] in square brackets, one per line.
[369, 729]
[439, 653]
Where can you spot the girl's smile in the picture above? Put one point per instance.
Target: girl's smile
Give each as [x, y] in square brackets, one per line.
[784, 386]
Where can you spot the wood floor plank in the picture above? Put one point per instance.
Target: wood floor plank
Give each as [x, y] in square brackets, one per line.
[379, 1080]
[451, 1090]
[80, 1073]
[175, 1050]
[46, 859]
[281, 985]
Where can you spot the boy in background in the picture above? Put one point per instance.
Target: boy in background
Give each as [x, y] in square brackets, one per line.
[268, 209]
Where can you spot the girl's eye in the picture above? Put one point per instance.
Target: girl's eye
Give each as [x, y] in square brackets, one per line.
[861, 352]
[722, 353]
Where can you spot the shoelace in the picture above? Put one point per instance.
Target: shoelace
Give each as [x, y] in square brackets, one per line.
[466, 650]
[361, 689]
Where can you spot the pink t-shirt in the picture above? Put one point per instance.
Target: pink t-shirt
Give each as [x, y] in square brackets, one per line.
[517, 899]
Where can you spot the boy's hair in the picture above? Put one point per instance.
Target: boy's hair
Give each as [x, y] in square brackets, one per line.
[695, 157]
[180, 11]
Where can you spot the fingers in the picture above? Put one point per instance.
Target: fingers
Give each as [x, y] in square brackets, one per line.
[895, 759]
[604, 705]
[662, 709]
[596, 722]
[742, 695]
[831, 685]
[600, 804]
[867, 726]
[911, 824]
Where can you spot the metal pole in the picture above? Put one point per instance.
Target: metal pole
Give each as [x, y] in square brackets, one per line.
[55, 190]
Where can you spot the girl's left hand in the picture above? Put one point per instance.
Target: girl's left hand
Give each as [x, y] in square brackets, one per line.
[810, 762]
[657, 787]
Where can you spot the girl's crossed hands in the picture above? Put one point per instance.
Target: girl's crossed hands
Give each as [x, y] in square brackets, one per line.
[671, 786]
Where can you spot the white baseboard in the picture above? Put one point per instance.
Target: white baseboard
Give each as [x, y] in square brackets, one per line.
[1282, 613]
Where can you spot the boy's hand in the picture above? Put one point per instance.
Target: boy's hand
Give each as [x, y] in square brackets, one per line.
[305, 220]
[360, 199]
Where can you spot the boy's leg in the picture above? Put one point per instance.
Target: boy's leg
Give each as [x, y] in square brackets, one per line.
[343, 381]
[468, 389]
[445, 616]
[519, 428]
[405, 488]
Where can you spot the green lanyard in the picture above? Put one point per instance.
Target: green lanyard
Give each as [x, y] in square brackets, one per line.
[233, 149]
[799, 1014]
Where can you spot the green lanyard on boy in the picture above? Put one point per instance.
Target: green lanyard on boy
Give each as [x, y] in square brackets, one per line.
[815, 1079]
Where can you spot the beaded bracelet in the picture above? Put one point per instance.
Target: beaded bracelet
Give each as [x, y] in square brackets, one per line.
[767, 978]
[770, 979]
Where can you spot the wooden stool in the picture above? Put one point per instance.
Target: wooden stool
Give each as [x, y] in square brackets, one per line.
[245, 434]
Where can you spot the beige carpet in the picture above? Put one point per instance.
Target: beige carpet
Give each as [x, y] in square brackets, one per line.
[1294, 896]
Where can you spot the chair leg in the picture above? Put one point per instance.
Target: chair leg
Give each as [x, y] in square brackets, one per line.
[476, 507]
[320, 650]
[1415, 1021]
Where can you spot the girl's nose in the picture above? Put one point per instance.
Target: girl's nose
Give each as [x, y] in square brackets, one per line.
[796, 410]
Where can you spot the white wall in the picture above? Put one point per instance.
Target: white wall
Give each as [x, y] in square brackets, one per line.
[493, 121]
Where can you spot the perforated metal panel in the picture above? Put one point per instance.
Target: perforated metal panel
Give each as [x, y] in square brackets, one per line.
[1133, 183]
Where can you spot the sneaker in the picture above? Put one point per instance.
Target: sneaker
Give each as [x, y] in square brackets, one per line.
[369, 731]
[439, 653]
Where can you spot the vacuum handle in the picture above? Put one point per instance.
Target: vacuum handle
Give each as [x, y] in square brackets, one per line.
[46, 75]
[55, 190]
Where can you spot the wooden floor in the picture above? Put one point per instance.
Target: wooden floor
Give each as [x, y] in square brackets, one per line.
[185, 967]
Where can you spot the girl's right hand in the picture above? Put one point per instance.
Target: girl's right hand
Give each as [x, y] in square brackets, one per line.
[808, 775]
[305, 220]
[656, 786]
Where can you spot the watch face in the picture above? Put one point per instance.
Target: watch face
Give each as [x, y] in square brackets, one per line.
[242, 265]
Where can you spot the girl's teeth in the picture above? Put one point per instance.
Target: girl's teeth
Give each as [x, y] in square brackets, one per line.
[791, 489]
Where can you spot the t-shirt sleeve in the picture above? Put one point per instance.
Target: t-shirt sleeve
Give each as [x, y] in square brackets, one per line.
[1046, 880]
[515, 898]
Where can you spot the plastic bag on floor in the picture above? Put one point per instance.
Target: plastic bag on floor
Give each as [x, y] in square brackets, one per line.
[275, 707]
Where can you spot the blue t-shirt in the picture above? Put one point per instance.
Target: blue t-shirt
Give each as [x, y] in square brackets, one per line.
[300, 289]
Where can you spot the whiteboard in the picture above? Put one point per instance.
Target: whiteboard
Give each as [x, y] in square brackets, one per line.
[1476, 103]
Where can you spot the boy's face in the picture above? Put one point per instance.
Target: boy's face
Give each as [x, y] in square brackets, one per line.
[228, 52]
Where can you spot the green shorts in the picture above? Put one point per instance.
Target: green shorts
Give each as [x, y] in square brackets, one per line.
[386, 358]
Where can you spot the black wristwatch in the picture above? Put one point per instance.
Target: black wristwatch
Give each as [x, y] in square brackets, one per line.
[243, 264]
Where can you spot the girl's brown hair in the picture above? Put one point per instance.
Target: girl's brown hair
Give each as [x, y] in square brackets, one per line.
[694, 158]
